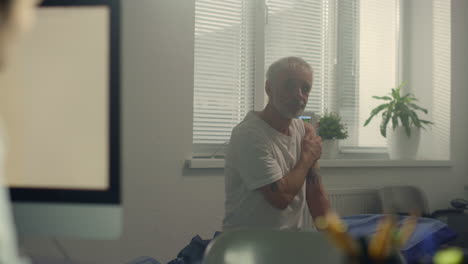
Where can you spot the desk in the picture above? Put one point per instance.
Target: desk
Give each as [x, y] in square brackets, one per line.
[459, 224]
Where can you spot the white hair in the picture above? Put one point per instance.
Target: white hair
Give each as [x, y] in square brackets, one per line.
[287, 63]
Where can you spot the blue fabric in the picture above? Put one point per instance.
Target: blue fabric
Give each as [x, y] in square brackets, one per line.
[193, 252]
[428, 236]
[426, 239]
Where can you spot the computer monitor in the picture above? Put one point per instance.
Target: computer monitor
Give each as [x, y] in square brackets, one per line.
[62, 115]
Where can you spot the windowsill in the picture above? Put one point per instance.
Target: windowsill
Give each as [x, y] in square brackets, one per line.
[218, 163]
[347, 163]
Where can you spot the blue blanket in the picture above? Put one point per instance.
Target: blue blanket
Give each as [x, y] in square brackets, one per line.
[193, 252]
[426, 239]
[428, 236]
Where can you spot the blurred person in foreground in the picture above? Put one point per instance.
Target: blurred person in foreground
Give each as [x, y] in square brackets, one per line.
[16, 17]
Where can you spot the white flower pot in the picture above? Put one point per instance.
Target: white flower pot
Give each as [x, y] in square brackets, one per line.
[330, 149]
[400, 146]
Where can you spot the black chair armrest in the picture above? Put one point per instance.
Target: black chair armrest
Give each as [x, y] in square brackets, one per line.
[445, 212]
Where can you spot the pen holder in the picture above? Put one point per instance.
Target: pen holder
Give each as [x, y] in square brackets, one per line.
[364, 258]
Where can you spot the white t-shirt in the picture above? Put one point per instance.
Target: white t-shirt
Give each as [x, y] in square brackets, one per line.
[258, 155]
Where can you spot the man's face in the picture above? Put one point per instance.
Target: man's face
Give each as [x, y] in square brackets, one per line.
[289, 92]
[12, 25]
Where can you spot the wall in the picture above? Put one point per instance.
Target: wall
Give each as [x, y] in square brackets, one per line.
[166, 205]
[460, 90]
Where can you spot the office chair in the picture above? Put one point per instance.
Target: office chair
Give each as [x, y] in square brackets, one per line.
[404, 200]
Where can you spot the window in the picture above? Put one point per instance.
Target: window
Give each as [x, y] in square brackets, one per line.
[224, 67]
[441, 80]
[354, 47]
[305, 29]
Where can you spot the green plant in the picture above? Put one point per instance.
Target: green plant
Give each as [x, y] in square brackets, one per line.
[330, 127]
[400, 108]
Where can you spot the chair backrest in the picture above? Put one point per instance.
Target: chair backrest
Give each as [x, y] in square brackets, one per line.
[265, 246]
[404, 199]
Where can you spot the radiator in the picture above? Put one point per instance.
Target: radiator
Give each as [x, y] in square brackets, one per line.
[355, 201]
[351, 201]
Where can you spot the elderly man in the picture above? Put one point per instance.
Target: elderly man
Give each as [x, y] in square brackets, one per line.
[272, 160]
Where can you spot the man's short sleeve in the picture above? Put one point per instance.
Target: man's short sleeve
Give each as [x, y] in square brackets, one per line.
[254, 159]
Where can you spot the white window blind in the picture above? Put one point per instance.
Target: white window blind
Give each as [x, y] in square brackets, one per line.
[378, 59]
[223, 70]
[441, 80]
[304, 29]
[347, 74]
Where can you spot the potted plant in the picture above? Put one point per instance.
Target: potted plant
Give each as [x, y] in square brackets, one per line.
[331, 129]
[403, 138]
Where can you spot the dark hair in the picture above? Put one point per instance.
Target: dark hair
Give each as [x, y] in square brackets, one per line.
[5, 2]
[5, 8]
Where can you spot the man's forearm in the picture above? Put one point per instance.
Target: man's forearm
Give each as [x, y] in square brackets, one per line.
[316, 196]
[292, 182]
[282, 192]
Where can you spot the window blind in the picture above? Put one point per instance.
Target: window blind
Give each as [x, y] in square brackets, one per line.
[223, 67]
[301, 28]
[347, 76]
[441, 80]
[378, 57]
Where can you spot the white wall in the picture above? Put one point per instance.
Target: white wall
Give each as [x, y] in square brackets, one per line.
[166, 205]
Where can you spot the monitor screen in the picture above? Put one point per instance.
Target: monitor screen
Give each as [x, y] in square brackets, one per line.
[309, 117]
[62, 117]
